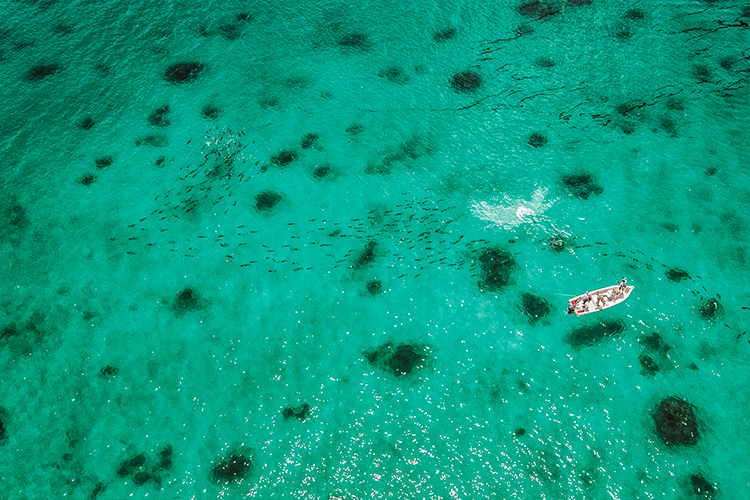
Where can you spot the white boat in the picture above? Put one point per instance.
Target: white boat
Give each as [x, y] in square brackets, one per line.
[599, 300]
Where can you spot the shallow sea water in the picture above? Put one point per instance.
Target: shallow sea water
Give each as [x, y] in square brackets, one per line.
[161, 314]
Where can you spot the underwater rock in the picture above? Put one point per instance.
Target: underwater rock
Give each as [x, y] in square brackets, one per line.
[183, 72]
[534, 307]
[634, 14]
[367, 255]
[594, 333]
[266, 200]
[519, 432]
[355, 129]
[374, 287]
[98, 489]
[557, 242]
[648, 365]
[42, 71]
[109, 372]
[545, 62]
[156, 140]
[188, 300]
[582, 185]
[701, 486]
[86, 123]
[321, 172]
[702, 73]
[104, 161]
[358, 41]
[87, 179]
[160, 117]
[231, 469]
[444, 35]
[398, 360]
[536, 9]
[676, 275]
[131, 465]
[537, 140]
[283, 158]
[675, 422]
[3, 429]
[654, 343]
[466, 81]
[301, 412]
[13, 213]
[165, 459]
[711, 309]
[496, 268]
[230, 31]
[141, 478]
[210, 112]
[394, 74]
[310, 141]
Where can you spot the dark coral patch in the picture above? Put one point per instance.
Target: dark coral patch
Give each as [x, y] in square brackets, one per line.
[545, 62]
[594, 333]
[711, 309]
[283, 158]
[701, 487]
[676, 423]
[109, 372]
[496, 268]
[104, 161]
[537, 140]
[582, 185]
[466, 81]
[87, 179]
[188, 300]
[155, 140]
[535, 307]
[42, 71]
[183, 72]
[648, 365]
[86, 123]
[676, 275]
[141, 478]
[3, 429]
[13, 214]
[301, 412]
[444, 35]
[398, 360]
[321, 171]
[231, 469]
[310, 141]
[367, 255]
[536, 9]
[165, 459]
[358, 41]
[634, 14]
[394, 74]
[210, 112]
[654, 343]
[160, 117]
[374, 287]
[131, 465]
[355, 129]
[558, 241]
[267, 200]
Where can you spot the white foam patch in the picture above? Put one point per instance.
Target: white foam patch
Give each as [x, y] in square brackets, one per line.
[509, 212]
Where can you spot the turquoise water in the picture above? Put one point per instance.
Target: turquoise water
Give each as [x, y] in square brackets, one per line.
[317, 264]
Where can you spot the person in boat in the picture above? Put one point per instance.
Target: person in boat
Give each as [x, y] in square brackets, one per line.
[572, 307]
[623, 285]
[586, 297]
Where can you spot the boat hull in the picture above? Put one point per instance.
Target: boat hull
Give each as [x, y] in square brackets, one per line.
[601, 299]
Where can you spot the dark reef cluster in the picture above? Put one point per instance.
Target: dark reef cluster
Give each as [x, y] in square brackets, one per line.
[397, 359]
